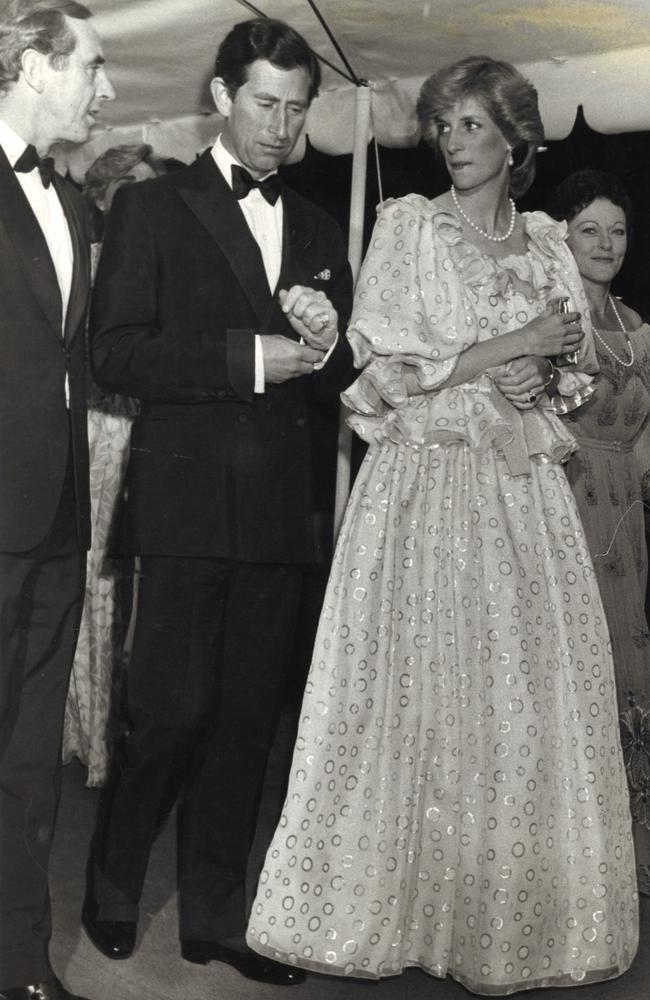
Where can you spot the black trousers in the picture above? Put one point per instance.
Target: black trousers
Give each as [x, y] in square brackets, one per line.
[204, 687]
[41, 597]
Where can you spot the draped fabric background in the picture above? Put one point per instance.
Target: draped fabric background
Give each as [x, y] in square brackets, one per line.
[161, 56]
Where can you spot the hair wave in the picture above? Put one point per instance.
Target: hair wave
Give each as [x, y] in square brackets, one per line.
[508, 97]
[39, 25]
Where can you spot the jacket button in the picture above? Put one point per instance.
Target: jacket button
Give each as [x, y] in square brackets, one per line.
[301, 421]
[242, 418]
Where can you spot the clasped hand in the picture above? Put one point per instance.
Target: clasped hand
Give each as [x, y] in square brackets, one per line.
[311, 314]
[522, 381]
[315, 319]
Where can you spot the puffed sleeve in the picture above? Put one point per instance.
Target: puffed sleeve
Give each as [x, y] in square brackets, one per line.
[408, 314]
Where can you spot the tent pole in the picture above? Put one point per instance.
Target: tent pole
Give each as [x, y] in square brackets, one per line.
[355, 251]
[359, 169]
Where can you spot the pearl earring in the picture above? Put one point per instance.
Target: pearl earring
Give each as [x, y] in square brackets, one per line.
[511, 162]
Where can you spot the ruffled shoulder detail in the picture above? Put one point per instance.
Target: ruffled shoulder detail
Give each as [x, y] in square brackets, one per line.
[414, 205]
[536, 271]
[425, 210]
[545, 233]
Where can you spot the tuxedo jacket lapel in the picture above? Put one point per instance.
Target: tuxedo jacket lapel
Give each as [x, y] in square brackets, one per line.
[297, 238]
[211, 200]
[297, 254]
[28, 242]
[78, 303]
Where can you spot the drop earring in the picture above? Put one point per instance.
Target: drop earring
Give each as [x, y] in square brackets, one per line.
[511, 162]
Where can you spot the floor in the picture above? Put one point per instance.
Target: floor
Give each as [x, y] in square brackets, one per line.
[157, 972]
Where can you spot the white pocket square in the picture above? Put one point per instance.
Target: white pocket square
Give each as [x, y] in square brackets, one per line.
[324, 275]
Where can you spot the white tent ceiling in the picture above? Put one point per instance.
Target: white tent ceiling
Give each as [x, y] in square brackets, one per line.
[161, 53]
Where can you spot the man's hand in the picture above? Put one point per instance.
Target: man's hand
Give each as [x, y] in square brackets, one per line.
[311, 314]
[523, 380]
[285, 359]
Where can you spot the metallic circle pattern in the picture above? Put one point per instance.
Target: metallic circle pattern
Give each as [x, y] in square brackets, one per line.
[458, 800]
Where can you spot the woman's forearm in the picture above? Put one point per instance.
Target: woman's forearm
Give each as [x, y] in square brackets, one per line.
[476, 360]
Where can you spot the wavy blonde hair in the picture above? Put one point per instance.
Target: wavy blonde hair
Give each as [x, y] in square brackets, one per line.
[507, 96]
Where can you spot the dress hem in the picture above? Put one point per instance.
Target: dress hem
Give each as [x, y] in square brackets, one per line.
[481, 989]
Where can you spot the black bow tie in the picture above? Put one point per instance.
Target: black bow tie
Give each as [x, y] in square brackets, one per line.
[29, 159]
[243, 183]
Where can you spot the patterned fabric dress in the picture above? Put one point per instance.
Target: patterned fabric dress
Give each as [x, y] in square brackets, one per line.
[607, 482]
[457, 799]
[98, 648]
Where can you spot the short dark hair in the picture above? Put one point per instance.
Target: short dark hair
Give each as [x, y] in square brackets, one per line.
[507, 96]
[114, 163]
[264, 38]
[580, 189]
[36, 24]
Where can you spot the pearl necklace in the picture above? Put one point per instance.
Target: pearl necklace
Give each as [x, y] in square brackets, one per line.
[493, 239]
[626, 364]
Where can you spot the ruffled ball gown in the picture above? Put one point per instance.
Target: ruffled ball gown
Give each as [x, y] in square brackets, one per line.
[457, 799]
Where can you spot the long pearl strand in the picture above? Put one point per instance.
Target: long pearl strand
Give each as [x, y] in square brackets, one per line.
[493, 239]
[630, 347]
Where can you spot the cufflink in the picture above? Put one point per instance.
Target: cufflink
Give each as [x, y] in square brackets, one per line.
[323, 275]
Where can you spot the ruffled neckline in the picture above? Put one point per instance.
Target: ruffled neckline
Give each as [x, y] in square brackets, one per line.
[535, 270]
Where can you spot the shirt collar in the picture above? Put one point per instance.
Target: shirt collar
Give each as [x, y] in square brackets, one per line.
[11, 143]
[224, 161]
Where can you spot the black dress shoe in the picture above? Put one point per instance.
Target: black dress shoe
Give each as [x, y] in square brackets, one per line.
[114, 938]
[49, 989]
[248, 962]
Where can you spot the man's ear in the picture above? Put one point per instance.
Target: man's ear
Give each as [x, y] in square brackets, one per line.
[221, 97]
[33, 67]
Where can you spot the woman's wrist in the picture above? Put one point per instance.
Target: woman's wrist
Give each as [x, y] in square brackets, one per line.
[522, 344]
[509, 346]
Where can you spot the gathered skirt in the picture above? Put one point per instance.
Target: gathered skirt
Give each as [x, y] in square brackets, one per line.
[457, 799]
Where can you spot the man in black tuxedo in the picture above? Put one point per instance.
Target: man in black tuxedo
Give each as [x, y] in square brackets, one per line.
[218, 302]
[52, 83]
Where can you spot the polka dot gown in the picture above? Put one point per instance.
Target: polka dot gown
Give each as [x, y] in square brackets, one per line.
[457, 799]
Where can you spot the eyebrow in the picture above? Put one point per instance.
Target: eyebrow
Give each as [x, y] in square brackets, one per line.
[263, 96]
[594, 222]
[465, 118]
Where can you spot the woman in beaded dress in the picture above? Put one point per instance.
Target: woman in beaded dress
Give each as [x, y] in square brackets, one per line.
[99, 647]
[604, 474]
[457, 797]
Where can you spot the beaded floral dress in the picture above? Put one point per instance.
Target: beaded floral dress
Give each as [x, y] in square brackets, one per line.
[607, 482]
[457, 798]
[95, 670]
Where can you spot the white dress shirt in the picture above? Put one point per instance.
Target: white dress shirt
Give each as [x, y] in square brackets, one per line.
[265, 223]
[49, 213]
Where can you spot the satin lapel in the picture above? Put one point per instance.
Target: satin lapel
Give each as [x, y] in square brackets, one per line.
[30, 247]
[207, 195]
[297, 240]
[74, 321]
